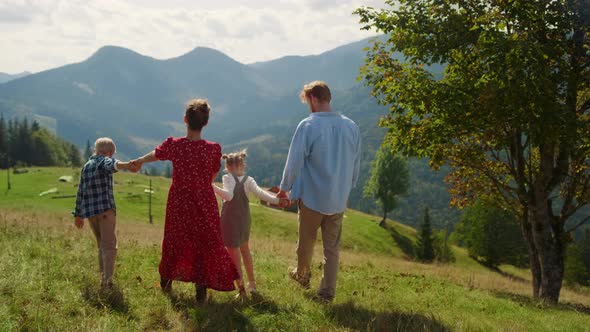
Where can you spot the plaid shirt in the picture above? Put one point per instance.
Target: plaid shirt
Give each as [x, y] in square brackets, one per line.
[95, 190]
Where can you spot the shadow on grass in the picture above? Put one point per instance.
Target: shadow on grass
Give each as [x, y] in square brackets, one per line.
[101, 298]
[402, 241]
[350, 316]
[531, 302]
[510, 276]
[220, 316]
[500, 272]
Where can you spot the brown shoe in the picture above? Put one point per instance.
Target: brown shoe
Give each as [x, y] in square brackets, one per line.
[201, 294]
[242, 296]
[166, 285]
[302, 280]
[322, 299]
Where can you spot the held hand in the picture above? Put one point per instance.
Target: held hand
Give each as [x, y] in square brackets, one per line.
[283, 194]
[135, 165]
[79, 222]
[283, 199]
[284, 203]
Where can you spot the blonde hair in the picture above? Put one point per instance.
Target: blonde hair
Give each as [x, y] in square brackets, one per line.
[104, 145]
[318, 89]
[235, 159]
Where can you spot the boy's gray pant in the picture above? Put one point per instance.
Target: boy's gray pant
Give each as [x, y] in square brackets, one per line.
[331, 225]
[103, 227]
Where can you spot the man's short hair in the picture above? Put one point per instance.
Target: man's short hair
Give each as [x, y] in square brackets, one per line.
[318, 89]
[104, 145]
[197, 113]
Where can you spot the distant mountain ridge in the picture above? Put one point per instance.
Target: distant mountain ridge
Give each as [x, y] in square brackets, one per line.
[4, 77]
[141, 95]
[139, 101]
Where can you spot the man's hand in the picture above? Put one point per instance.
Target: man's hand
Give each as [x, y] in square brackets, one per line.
[79, 222]
[283, 199]
[284, 203]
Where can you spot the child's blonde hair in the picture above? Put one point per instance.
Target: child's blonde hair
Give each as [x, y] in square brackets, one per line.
[104, 145]
[235, 159]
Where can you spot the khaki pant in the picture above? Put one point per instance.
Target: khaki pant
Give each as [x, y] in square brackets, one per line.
[103, 227]
[331, 225]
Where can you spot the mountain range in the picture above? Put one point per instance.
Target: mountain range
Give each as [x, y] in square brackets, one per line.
[139, 101]
[4, 77]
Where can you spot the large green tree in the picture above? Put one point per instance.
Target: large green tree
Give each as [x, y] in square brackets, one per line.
[510, 114]
[389, 179]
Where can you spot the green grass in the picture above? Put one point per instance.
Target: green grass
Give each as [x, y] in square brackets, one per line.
[132, 201]
[48, 278]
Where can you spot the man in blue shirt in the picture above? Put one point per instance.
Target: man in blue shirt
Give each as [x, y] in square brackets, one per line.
[322, 167]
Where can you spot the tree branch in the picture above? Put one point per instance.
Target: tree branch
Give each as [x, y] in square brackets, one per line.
[578, 224]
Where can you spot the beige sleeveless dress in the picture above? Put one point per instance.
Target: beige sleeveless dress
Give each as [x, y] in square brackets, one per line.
[235, 217]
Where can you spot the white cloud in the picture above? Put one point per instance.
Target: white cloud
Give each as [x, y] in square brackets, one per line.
[40, 34]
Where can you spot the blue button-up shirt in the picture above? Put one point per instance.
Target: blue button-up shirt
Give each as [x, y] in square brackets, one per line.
[323, 162]
[95, 190]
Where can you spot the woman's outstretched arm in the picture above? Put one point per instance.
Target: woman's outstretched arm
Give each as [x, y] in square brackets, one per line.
[148, 158]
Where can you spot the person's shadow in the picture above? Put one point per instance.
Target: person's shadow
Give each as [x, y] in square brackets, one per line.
[109, 298]
[350, 316]
[220, 316]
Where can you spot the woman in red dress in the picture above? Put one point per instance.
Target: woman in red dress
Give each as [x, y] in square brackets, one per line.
[192, 250]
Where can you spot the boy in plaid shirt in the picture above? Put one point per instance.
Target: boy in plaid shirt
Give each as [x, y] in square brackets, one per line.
[96, 202]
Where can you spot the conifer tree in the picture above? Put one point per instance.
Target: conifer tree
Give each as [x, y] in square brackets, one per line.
[87, 151]
[3, 138]
[425, 248]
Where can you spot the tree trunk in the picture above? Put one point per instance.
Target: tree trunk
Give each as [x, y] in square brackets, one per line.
[527, 232]
[549, 244]
[382, 223]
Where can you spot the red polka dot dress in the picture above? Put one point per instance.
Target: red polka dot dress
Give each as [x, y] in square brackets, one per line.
[192, 249]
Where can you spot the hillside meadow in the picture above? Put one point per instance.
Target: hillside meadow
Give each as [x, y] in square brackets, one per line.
[49, 280]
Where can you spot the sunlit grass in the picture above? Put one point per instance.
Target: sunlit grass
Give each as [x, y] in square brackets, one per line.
[49, 280]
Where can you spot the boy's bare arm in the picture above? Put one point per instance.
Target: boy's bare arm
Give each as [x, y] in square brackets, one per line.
[127, 166]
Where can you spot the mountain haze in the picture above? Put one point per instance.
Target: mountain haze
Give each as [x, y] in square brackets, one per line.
[4, 77]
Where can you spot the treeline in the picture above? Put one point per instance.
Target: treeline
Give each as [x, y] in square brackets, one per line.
[24, 144]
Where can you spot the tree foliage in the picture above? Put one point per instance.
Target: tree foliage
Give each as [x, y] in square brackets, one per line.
[425, 243]
[389, 179]
[3, 142]
[510, 114]
[87, 150]
[576, 272]
[577, 263]
[442, 247]
[28, 145]
[492, 235]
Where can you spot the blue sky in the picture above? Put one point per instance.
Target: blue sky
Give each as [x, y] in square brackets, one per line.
[36, 35]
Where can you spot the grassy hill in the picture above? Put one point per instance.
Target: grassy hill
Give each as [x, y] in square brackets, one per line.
[48, 278]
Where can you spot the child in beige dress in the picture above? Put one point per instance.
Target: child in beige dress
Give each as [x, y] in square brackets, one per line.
[235, 215]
